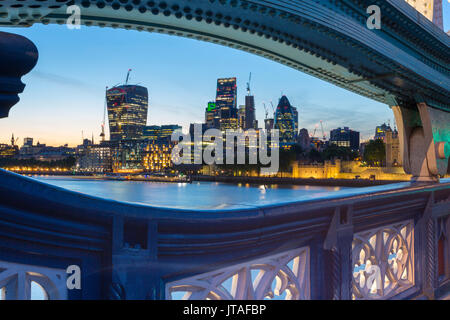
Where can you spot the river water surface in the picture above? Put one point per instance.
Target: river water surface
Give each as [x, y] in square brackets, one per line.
[204, 195]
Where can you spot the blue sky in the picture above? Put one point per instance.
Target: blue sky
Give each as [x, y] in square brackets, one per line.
[64, 93]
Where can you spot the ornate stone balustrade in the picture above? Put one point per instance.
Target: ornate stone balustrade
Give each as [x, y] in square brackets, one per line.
[391, 244]
[383, 261]
[284, 275]
[24, 282]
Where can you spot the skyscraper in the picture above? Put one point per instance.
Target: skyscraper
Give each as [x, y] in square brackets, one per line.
[285, 122]
[250, 118]
[127, 111]
[431, 9]
[167, 130]
[268, 123]
[304, 139]
[241, 117]
[151, 132]
[212, 116]
[226, 102]
[295, 120]
[163, 132]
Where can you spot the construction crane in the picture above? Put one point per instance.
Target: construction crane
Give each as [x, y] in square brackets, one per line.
[248, 84]
[128, 76]
[265, 110]
[273, 109]
[102, 135]
[323, 132]
[315, 129]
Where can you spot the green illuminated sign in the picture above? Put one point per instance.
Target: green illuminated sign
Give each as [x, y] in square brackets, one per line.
[211, 106]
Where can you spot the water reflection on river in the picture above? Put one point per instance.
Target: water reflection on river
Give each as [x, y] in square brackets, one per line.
[199, 195]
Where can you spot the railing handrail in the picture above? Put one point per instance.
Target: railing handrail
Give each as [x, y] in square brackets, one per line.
[107, 207]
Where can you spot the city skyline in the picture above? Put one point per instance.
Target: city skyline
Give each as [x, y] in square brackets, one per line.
[281, 187]
[65, 96]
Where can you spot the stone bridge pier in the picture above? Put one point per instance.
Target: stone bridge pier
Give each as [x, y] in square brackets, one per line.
[424, 140]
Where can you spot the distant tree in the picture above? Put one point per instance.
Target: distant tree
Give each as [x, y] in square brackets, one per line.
[298, 151]
[336, 152]
[66, 163]
[375, 153]
[286, 158]
[315, 156]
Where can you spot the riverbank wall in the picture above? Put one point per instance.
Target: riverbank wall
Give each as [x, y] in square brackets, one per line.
[355, 183]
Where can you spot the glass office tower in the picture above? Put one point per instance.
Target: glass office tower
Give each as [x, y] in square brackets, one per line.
[285, 122]
[127, 111]
[163, 132]
[226, 103]
[212, 116]
[250, 117]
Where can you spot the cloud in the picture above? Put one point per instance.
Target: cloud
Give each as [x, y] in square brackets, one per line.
[359, 118]
[62, 80]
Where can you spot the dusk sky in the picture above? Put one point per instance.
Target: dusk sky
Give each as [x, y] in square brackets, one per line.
[64, 93]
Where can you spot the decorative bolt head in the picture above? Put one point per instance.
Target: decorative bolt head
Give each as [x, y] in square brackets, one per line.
[443, 150]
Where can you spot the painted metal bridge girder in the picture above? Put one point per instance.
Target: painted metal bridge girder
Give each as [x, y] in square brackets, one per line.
[327, 39]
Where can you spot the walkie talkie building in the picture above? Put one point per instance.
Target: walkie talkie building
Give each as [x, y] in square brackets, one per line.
[127, 111]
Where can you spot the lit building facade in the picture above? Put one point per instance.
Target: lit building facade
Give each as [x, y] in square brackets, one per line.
[28, 142]
[151, 132]
[295, 120]
[95, 158]
[380, 132]
[167, 130]
[268, 123]
[241, 117]
[212, 116]
[160, 132]
[128, 156]
[393, 155]
[345, 137]
[42, 152]
[127, 111]
[226, 103]
[143, 155]
[157, 156]
[285, 122]
[431, 9]
[8, 151]
[250, 117]
[317, 143]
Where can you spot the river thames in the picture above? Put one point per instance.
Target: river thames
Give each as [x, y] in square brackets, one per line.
[204, 195]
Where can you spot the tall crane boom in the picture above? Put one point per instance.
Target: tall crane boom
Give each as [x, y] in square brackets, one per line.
[323, 132]
[128, 76]
[273, 109]
[265, 110]
[315, 129]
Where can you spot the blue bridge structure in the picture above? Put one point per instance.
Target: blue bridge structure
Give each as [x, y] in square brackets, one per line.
[392, 244]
